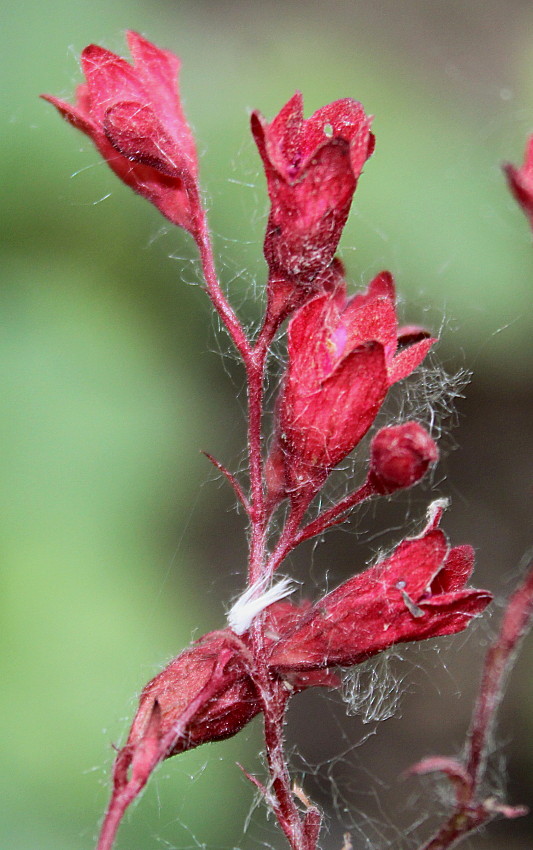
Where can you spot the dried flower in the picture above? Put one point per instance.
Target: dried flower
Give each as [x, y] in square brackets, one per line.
[133, 115]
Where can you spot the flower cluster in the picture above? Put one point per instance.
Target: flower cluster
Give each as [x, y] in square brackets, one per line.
[344, 352]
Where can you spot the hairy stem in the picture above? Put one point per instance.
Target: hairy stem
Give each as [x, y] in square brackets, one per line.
[498, 663]
[214, 289]
[471, 809]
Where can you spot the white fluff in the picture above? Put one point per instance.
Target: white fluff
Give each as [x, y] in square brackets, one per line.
[254, 600]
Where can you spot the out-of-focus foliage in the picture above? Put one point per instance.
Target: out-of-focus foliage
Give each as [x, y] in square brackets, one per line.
[109, 388]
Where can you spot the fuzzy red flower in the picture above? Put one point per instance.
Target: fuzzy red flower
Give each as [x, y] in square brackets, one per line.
[208, 693]
[133, 115]
[416, 593]
[343, 357]
[520, 181]
[311, 166]
[205, 694]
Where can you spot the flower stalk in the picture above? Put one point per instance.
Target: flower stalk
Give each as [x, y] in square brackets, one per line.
[343, 353]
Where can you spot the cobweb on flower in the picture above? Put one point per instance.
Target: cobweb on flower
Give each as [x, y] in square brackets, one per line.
[374, 690]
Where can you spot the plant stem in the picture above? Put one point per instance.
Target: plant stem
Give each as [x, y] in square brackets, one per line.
[214, 289]
[471, 809]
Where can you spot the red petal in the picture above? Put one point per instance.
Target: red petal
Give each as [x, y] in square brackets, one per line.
[408, 359]
[76, 116]
[456, 571]
[325, 426]
[283, 136]
[374, 319]
[110, 79]
[305, 333]
[451, 613]
[347, 120]
[158, 71]
[137, 134]
[382, 286]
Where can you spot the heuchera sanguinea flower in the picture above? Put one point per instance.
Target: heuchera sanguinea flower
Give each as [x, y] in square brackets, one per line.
[205, 694]
[418, 592]
[344, 354]
[311, 166]
[133, 115]
[208, 692]
[521, 181]
[400, 455]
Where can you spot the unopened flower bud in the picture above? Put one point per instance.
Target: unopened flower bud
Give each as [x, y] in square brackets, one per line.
[400, 456]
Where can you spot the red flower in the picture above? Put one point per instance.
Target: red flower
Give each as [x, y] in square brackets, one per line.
[521, 181]
[418, 592]
[208, 693]
[343, 357]
[133, 115]
[311, 167]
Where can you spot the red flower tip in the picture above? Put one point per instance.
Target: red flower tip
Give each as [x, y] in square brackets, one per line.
[133, 115]
[343, 357]
[400, 456]
[418, 592]
[312, 167]
[520, 180]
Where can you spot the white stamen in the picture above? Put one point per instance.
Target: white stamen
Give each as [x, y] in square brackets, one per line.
[254, 600]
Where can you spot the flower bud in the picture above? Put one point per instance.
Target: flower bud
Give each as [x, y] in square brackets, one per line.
[400, 456]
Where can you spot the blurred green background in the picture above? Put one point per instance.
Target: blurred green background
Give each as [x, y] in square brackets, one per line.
[117, 542]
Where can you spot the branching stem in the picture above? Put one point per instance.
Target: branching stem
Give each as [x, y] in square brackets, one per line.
[472, 810]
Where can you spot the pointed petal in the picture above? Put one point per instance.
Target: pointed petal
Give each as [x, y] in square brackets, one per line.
[404, 363]
[79, 118]
[455, 572]
[110, 79]
[382, 286]
[284, 136]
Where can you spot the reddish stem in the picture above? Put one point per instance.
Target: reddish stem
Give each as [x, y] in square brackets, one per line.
[274, 700]
[335, 514]
[498, 663]
[471, 810]
[301, 834]
[220, 302]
